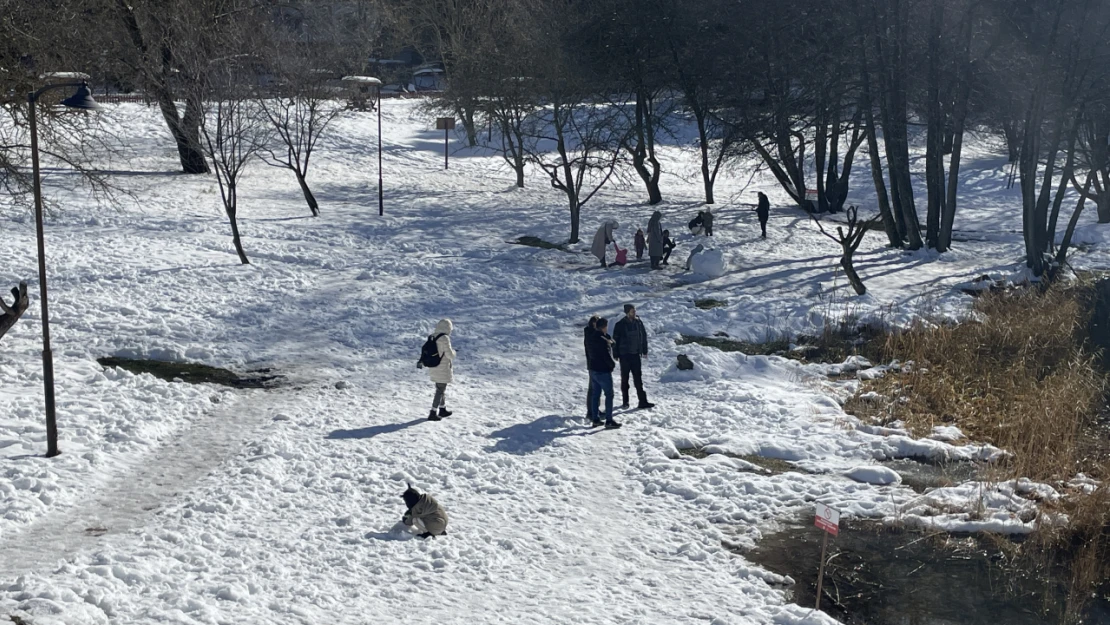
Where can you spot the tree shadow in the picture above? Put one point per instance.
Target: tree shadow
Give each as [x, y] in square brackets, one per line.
[525, 438]
[372, 431]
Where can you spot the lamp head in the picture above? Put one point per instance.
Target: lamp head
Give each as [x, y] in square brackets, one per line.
[82, 99]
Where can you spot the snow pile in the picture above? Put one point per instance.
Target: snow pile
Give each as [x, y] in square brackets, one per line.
[709, 263]
[1006, 508]
[880, 476]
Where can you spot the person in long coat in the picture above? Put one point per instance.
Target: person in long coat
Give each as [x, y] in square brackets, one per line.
[655, 239]
[602, 238]
[763, 211]
[442, 375]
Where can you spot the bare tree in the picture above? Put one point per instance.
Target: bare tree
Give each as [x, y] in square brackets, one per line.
[300, 113]
[234, 131]
[849, 242]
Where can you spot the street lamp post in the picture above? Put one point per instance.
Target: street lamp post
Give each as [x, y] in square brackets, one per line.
[381, 200]
[80, 100]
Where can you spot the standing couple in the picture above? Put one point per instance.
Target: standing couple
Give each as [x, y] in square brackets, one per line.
[628, 344]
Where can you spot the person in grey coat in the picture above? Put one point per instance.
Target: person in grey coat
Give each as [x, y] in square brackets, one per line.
[655, 239]
[424, 513]
[602, 238]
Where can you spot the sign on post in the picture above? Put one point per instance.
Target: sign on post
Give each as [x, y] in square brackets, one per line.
[827, 519]
[446, 124]
[811, 194]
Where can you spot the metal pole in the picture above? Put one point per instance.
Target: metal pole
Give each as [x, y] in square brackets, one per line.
[446, 140]
[381, 200]
[47, 355]
[821, 569]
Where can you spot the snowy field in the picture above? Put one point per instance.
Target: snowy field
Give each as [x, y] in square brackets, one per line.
[177, 503]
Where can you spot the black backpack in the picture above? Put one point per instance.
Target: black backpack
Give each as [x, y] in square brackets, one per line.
[429, 354]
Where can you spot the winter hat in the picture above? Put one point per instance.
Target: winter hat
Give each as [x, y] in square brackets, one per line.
[628, 307]
[411, 496]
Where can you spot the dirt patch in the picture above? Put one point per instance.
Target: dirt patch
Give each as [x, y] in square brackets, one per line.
[709, 303]
[193, 373]
[531, 241]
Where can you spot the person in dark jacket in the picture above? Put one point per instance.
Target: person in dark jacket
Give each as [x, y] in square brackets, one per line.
[631, 345]
[697, 224]
[668, 246]
[707, 222]
[591, 409]
[640, 243]
[600, 357]
[763, 210]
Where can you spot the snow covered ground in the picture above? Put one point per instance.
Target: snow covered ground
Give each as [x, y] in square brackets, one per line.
[175, 503]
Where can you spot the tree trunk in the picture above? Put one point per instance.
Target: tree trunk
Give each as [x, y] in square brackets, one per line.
[820, 147]
[934, 151]
[185, 131]
[466, 114]
[894, 234]
[703, 141]
[959, 125]
[238, 242]
[1103, 206]
[308, 196]
[641, 150]
[1062, 253]
[1065, 179]
[850, 272]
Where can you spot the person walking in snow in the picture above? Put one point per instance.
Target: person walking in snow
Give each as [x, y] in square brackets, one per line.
[655, 239]
[602, 238]
[630, 344]
[441, 374]
[707, 222]
[599, 345]
[424, 514]
[763, 211]
[668, 246]
[591, 409]
[639, 242]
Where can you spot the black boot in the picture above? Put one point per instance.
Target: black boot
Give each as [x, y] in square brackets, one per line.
[443, 412]
[611, 425]
[432, 416]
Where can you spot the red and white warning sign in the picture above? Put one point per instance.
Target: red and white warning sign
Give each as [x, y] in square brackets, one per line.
[827, 519]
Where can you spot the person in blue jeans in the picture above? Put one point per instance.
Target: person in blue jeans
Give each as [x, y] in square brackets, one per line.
[599, 347]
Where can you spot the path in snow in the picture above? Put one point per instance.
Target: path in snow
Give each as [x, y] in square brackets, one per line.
[147, 483]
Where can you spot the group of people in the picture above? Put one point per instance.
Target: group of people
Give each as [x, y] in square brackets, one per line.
[628, 345]
[658, 242]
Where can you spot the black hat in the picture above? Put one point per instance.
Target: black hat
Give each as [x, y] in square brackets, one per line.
[411, 496]
[628, 307]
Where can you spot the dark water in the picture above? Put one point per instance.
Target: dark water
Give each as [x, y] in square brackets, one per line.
[877, 576]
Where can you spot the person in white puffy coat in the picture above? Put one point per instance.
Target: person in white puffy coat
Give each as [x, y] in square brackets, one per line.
[442, 375]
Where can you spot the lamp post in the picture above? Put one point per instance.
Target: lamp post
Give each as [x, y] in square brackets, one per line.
[82, 99]
[381, 201]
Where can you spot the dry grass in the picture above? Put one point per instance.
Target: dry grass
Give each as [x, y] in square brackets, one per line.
[1019, 377]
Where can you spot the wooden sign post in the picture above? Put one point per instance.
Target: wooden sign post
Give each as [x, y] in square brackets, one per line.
[446, 124]
[828, 520]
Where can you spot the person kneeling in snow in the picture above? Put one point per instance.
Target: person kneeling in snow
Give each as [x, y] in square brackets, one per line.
[424, 514]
